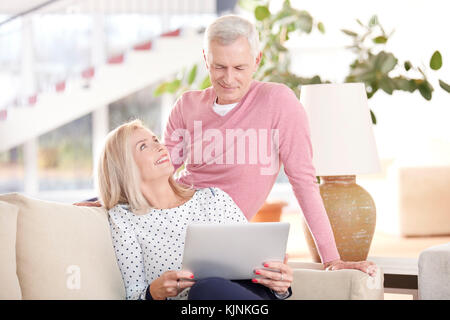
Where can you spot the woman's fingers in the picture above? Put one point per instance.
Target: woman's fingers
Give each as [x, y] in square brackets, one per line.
[277, 286]
[273, 275]
[277, 276]
[278, 267]
[184, 274]
[179, 280]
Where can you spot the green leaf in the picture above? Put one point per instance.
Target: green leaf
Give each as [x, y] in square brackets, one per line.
[380, 39]
[192, 75]
[387, 85]
[404, 84]
[160, 89]
[360, 23]
[280, 47]
[261, 13]
[426, 90]
[173, 86]
[321, 27]
[372, 116]
[373, 21]
[436, 61]
[444, 85]
[248, 5]
[407, 65]
[349, 33]
[205, 83]
[385, 62]
[304, 21]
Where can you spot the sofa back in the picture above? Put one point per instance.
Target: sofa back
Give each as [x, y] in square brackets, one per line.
[61, 251]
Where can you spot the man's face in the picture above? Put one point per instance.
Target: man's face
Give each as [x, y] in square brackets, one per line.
[231, 68]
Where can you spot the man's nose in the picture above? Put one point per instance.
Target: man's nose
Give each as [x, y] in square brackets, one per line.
[228, 76]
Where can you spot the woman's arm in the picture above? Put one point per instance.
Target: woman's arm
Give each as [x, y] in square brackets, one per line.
[129, 254]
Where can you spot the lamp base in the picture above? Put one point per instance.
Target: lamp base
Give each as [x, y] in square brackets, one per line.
[352, 214]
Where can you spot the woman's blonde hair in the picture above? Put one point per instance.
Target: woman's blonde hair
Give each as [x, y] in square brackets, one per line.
[119, 178]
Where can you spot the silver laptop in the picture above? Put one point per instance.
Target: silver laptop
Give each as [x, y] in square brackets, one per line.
[233, 251]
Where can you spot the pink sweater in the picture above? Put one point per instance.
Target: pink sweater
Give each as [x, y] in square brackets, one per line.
[232, 152]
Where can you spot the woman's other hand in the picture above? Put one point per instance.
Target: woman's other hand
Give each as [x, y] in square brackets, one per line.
[278, 278]
[170, 284]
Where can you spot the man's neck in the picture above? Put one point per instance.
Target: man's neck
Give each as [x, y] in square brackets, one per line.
[224, 104]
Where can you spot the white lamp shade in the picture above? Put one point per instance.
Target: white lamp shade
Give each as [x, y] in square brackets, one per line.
[341, 129]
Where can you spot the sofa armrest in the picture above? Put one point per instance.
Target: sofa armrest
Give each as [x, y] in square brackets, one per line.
[434, 273]
[312, 282]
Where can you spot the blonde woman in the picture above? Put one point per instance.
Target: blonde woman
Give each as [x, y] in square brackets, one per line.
[149, 213]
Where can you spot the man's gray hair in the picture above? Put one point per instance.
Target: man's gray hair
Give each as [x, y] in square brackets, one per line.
[228, 28]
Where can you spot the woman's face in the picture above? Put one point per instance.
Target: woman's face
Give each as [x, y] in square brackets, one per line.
[151, 157]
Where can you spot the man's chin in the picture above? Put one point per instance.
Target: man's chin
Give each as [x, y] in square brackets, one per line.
[228, 98]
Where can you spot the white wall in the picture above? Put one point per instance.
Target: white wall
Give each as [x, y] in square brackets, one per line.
[420, 28]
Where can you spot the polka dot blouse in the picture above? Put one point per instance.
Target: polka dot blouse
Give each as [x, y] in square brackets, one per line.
[150, 244]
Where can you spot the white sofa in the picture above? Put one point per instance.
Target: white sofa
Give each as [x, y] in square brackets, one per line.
[53, 250]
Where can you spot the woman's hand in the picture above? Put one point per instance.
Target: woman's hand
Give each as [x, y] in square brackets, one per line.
[279, 278]
[170, 284]
[365, 266]
[88, 204]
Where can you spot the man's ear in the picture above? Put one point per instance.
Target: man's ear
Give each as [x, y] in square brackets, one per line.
[206, 60]
[258, 60]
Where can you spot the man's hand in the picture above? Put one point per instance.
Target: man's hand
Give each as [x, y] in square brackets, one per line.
[364, 266]
[88, 204]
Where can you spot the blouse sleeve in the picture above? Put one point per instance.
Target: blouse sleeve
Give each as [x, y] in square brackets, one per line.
[128, 253]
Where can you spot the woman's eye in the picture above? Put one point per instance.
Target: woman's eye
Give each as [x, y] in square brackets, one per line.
[142, 147]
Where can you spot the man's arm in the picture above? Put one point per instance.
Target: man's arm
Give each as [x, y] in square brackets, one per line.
[296, 154]
[175, 136]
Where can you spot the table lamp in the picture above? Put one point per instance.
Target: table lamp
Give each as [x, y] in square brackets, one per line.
[343, 146]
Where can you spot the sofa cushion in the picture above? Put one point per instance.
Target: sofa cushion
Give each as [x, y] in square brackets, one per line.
[64, 251]
[8, 277]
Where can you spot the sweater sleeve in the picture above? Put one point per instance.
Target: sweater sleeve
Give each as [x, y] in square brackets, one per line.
[295, 149]
[129, 254]
[176, 136]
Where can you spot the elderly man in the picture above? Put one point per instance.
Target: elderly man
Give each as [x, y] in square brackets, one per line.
[204, 125]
